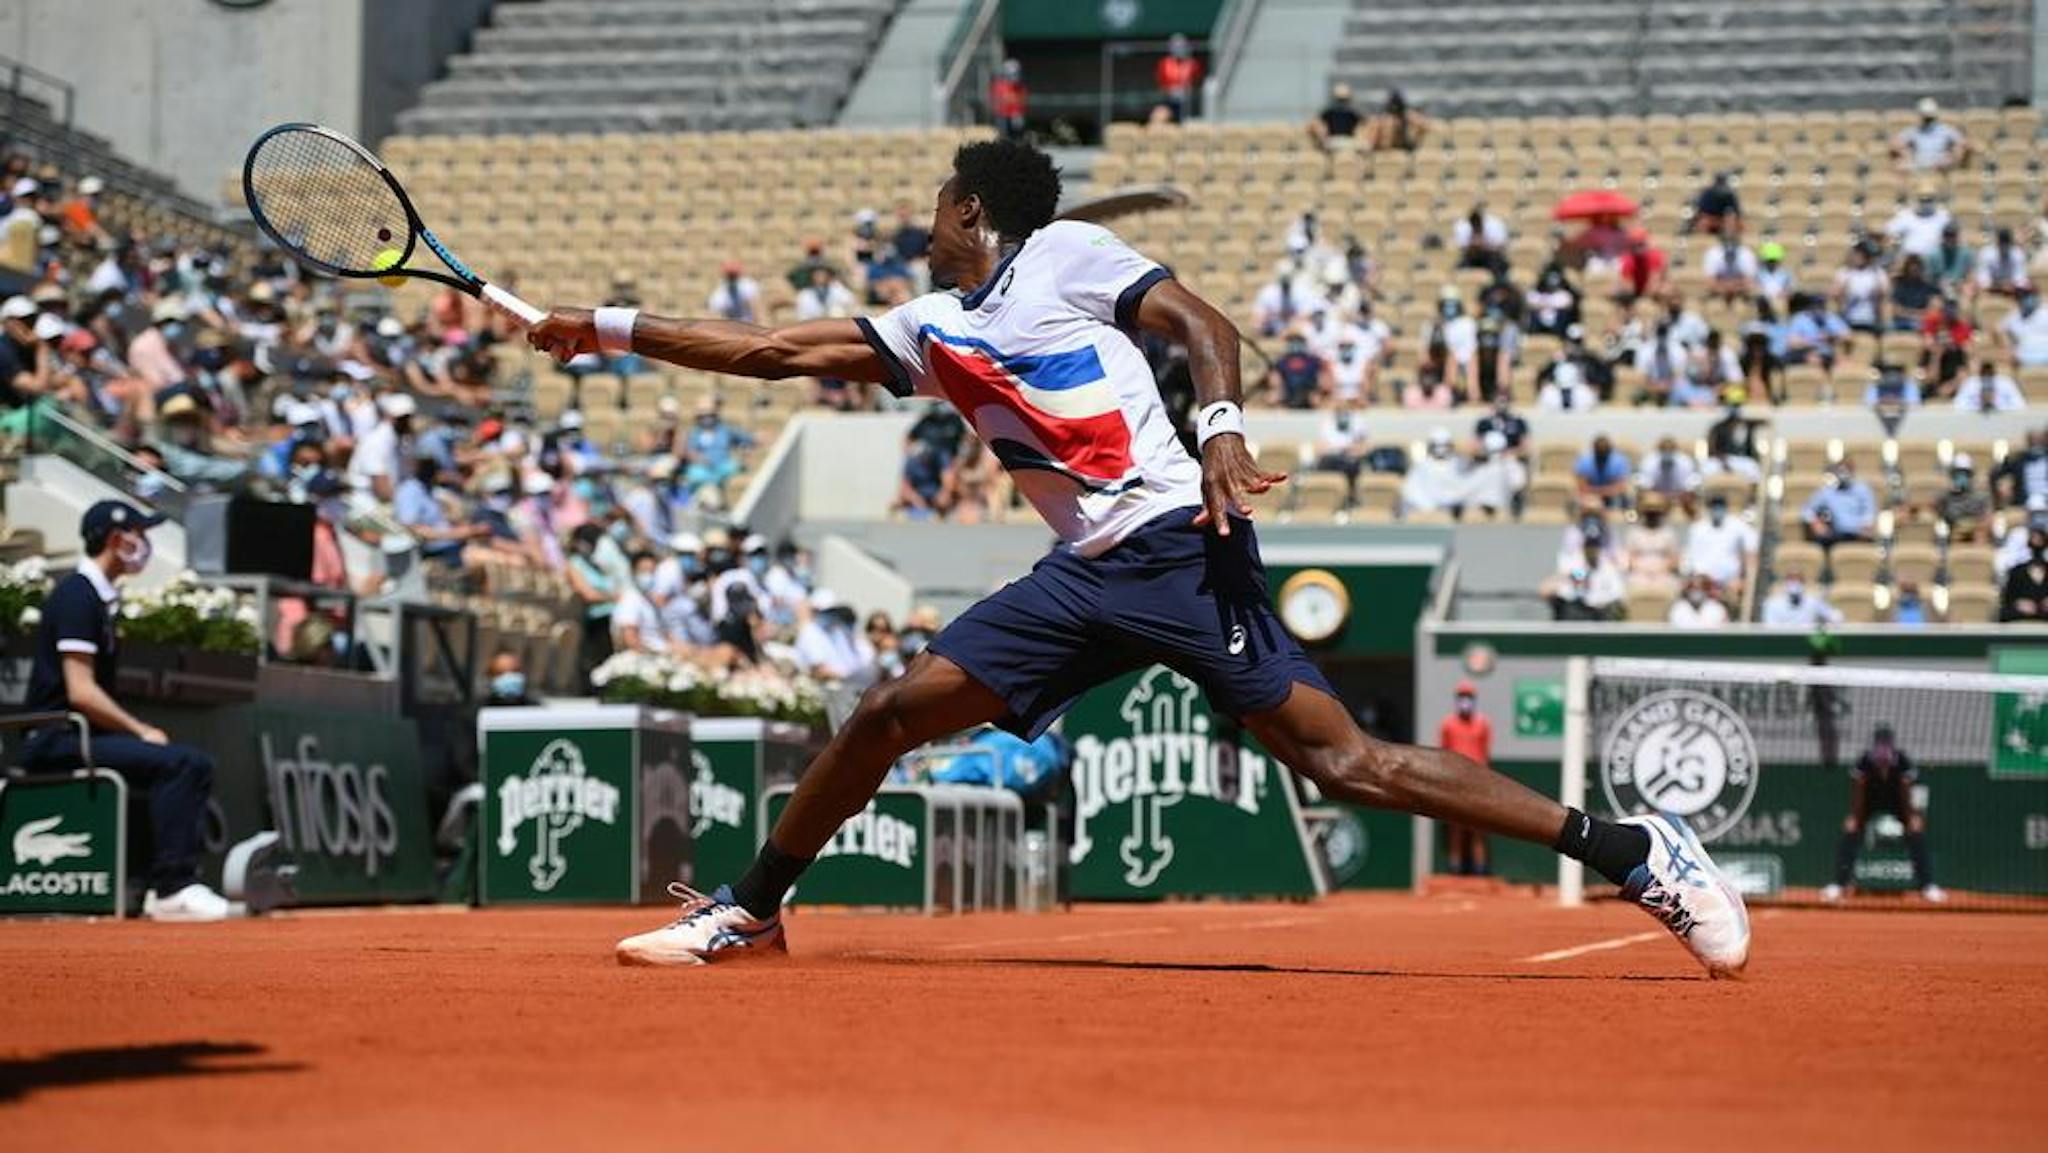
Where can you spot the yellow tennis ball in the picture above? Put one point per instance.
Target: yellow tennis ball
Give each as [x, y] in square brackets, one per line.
[388, 258]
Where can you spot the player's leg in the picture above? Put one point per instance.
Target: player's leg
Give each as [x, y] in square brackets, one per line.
[1847, 849]
[178, 779]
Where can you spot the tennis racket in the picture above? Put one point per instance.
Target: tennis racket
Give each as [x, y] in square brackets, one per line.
[333, 205]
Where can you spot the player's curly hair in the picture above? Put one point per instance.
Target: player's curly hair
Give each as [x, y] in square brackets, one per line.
[1018, 185]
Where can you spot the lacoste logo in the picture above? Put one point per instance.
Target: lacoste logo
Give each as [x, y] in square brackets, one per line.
[35, 841]
[1236, 640]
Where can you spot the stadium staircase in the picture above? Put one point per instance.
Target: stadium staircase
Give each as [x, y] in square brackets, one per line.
[655, 65]
[1488, 58]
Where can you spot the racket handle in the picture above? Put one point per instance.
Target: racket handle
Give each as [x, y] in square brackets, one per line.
[526, 314]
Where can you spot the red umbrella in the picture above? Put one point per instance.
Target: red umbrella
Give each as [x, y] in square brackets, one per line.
[1594, 202]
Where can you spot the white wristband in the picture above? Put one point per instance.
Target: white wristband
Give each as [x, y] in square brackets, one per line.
[1217, 419]
[615, 330]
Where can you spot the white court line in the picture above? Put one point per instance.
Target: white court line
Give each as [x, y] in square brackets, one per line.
[1274, 923]
[1595, 947]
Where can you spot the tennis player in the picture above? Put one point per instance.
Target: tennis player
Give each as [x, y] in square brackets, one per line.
[1031, 339]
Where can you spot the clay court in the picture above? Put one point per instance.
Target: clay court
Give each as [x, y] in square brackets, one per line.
[1387, 1022]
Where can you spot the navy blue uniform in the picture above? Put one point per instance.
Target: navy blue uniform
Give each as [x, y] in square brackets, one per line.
[78, 618]
[1171, 593]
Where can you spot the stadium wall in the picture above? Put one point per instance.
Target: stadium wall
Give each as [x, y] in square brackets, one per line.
[182, 86]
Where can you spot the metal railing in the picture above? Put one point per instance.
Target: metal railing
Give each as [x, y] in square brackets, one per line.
[52, 431]
[61, 109]
[1233, 28]
[975, 39]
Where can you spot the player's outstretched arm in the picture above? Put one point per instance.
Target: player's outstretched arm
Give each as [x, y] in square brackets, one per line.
[834, 349]
[1228, 469]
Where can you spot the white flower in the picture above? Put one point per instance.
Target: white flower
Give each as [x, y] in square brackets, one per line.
[247, 615]
[31, 616]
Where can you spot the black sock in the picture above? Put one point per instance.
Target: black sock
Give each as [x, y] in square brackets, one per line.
[1846, 850]
[767, 881]
[1613, 850]
[1923, 868]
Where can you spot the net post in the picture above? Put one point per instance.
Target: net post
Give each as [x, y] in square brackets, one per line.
[1421, 861]
[1571, 778]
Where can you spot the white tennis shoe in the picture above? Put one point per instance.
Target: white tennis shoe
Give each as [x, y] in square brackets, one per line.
[709, 928]
[1680, 886]
[191, 904]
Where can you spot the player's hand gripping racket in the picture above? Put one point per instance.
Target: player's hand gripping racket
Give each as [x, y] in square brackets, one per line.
[334, 206]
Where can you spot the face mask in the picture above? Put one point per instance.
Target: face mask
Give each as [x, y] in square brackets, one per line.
[644, 580]
[509, 685]
[134, 554]
[619, 531]
[1465, 706]
[1794, 591]
[690, 565]
[758, 565]
[1717, 515]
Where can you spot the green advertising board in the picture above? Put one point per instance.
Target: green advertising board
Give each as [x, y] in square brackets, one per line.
[1108, 19]
[732, 761]
[896, 853]
[348, 799]
[2019, 730]
[66, 845]
[1539, 707]
[584, 805]
[1169, 801]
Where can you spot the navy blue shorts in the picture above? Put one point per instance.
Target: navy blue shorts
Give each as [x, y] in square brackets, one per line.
[1172, 593]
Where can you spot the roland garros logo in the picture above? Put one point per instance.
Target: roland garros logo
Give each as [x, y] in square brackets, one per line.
[1683, 752]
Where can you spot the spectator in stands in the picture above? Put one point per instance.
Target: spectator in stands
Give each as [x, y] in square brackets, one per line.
[1299, 378]
[1731, 269]
[1493, 477]
[1458, 334]
[824, 295]
[1717, 210]
[1481, 240]
[1891, 394]
[829, 648]
[1774, 281]
[20, 248]
[1603, 473]
[1964, 508]
[1552, 306]
[636, 623]
[1793, 604]
[1989, 390]
[922, 493]
[2002, 266]
[911, 240]
[1280, 301]
[79, 216]
[1178, 75]
[1697, 607]
[1952, 267]
[2024, 474]
[1591, 589]
[1913, 293]
[1860, 291]
[1945, 340]
[2024, 596]
[1933, 144]
[715, 448]
[379, 457]
[1720, 548]
[1649, 547]
[1916, 228]
[1908, 607]
[1566, 383]
[881, 635]
[2013, 547]
[1644, 268]
[2024, 332]
[1661, 357]
[1514, 435]
[1354, 366]
[1398, 127]
[1498, 345]
[1842, 509]
[736, 296]
[974, 478]
[508, 688]
[417, 506]
[1341, 444]
[789, 582]
[1431, 387]
[1814, 334]
[1436, 482]
[1711, 368]
[1008, 100]
[1670, 474]
[1337, 124]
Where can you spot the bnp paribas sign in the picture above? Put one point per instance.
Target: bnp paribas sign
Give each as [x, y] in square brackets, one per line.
[1170, 800]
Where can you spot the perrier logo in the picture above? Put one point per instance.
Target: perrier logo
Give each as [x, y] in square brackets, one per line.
[556, 795]
[1168, 758]
[2020, 735]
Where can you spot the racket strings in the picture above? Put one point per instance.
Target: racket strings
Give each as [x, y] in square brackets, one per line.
[326, 202]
